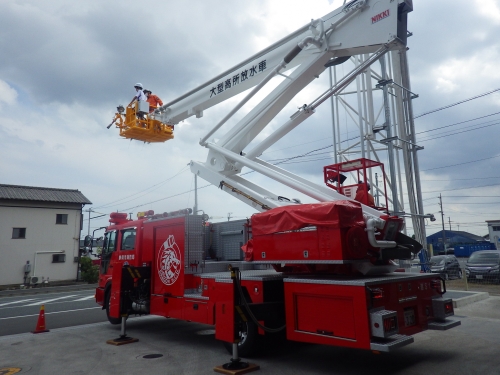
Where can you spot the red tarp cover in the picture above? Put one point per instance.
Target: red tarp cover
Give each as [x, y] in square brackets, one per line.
[339, 214]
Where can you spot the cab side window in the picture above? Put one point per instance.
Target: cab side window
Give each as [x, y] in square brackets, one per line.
[109, 244]
[128, 239]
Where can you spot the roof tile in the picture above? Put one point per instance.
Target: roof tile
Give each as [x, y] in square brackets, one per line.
[42, 194]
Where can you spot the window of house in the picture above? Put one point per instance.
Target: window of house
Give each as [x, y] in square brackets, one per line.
[61, 218]
[496, 228]
[58, 258]
[18, 232]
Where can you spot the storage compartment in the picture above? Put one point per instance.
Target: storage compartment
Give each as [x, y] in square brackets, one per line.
[196, 311]
[331, 316]
[321, 312]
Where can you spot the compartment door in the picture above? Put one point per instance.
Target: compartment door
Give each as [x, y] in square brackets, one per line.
[168, 270]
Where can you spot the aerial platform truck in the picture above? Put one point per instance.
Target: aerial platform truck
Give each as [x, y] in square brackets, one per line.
[319, 272]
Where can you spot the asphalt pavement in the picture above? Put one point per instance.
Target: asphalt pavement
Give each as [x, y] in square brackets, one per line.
[18, 314]
[179, 347]
[68, 287]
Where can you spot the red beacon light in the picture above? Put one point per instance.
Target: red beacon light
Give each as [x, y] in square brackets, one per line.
[118, 217]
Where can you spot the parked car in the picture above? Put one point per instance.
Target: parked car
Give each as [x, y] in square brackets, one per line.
[449, 250]
[447, 266]
[483, 265]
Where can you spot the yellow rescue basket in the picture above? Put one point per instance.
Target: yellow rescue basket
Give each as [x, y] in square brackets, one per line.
[141, 126]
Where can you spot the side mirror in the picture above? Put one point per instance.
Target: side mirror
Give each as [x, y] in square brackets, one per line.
[87, 240]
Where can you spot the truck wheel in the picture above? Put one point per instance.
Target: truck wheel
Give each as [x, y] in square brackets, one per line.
[248, 341]
[110, 318]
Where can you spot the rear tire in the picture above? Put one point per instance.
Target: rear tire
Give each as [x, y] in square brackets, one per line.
[248, 341]
[110, 318]
[460, 274]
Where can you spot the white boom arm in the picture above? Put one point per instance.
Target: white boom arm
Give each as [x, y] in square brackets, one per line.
[359, 27]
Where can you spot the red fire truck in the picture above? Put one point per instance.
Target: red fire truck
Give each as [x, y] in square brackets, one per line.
[320, 272]
[309, 270]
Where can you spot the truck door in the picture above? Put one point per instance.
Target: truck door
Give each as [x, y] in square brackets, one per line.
[108, 248]
[127, 247]
[168, 272]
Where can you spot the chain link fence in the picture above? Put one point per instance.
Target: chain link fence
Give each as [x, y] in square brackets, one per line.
[478, 273]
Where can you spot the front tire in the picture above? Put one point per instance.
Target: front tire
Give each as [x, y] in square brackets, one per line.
[106, 303]
[248, 340]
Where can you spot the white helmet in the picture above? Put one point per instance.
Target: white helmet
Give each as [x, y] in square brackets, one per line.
[138, 85]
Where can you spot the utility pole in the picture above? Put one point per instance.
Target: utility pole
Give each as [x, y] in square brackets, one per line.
[229, 216]
[195, 208]
[449, 222]
[442, 220]
[89, 211]
[390, 146]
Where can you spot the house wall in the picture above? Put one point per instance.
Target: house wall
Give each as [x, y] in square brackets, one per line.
[42, 234]
[494, 232]
[452, 239]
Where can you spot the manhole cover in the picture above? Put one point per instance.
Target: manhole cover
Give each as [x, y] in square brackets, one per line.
[150, 356]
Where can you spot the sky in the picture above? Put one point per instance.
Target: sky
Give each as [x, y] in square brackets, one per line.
[65, 66]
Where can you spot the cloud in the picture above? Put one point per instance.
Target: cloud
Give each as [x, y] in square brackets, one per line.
[489, 9]
[8, 95]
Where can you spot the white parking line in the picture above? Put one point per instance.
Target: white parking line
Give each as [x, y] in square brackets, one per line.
[48, 300]
[55, 312]
[84, 298]
[10, 303]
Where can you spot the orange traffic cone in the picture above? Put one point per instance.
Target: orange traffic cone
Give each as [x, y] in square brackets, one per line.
[40, 325]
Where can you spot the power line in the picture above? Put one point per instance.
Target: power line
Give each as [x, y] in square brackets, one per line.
[458, 132]
[162, 199]
[143, 192]
[462, 179]
[465, 188]
[457, 123]
[468, 162]
[479, 203]
[454, 104]
[470, 196]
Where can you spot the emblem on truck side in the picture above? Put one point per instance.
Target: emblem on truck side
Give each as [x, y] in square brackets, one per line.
[169, 261]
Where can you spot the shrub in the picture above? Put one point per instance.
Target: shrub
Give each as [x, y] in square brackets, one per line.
[89, 272]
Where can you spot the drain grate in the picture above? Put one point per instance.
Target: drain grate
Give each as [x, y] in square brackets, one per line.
[150, 356]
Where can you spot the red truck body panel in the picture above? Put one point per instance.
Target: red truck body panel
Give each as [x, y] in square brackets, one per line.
[318, 306]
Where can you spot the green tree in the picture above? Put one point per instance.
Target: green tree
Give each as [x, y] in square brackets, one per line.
[90, 273]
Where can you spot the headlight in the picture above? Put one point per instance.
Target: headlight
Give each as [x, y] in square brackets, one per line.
[495, 269]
